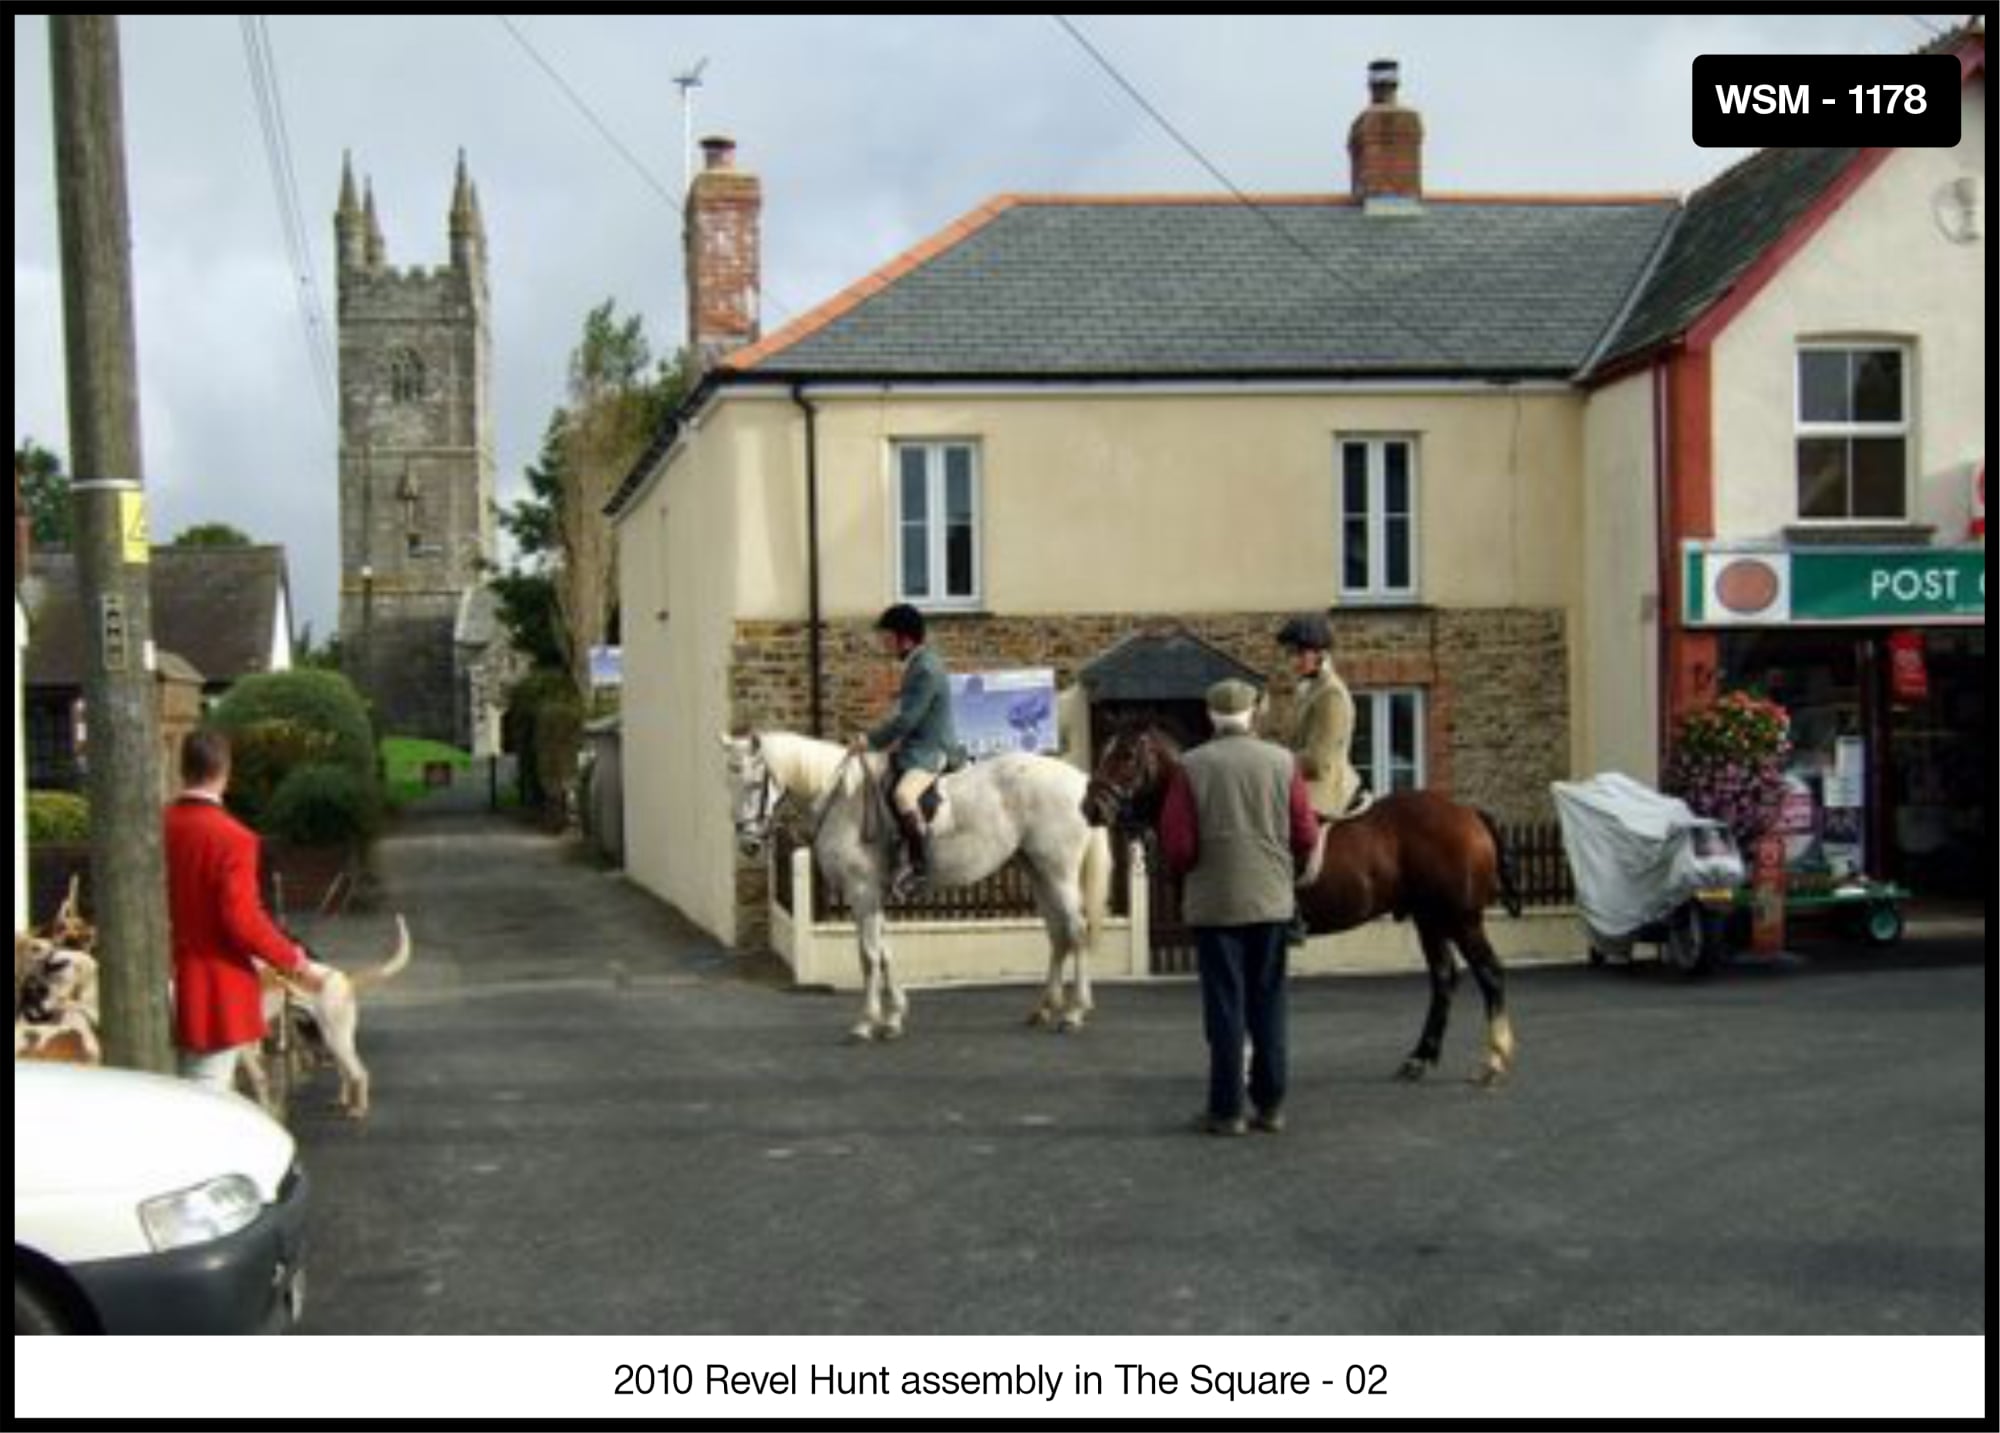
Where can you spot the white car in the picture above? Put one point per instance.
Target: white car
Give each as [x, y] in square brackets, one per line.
[147, 1205]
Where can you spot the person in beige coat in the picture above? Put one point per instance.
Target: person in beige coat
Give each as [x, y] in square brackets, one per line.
[1322, 718]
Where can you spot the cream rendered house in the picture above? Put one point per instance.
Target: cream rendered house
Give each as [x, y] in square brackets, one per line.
[1065, 420]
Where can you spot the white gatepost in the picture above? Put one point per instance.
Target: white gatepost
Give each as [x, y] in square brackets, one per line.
[1139, 901]
[805, 949]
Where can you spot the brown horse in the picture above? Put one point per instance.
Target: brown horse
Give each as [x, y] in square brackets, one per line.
[1414, 855]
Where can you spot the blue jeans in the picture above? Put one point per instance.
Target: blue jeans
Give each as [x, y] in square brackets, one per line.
[1243, 991]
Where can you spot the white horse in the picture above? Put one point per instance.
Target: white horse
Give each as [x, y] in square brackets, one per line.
[1012, 804]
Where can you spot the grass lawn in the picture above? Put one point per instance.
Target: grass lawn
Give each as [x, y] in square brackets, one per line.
[403, 762]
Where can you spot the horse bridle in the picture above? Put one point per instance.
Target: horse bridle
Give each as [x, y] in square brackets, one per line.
[768, 806]
[1126, 796]
[758, 827]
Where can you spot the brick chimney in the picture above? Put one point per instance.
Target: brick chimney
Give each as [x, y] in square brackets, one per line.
[724, 212]
[1385, 146]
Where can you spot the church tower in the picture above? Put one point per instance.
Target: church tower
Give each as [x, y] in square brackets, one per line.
[416, 464]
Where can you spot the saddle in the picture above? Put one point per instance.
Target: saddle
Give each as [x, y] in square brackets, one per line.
[881, 818]
[1364, 801]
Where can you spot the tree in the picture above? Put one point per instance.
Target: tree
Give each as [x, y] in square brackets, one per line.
[531, 522]
[45, 492]
[527, 608]
[321, 656]
[558, 602]
[615, 408]
[212, 534]
[526, 591]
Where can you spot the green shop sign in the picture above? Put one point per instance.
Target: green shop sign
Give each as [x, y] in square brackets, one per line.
[1775, 587]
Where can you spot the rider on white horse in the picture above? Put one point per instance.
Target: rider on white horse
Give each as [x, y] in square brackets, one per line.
[919, 736]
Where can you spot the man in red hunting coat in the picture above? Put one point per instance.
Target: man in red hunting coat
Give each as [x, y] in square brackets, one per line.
[219, 926]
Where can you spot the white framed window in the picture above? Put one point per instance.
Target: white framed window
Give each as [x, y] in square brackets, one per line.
[937, 523]
[1853, 432]
[1377, 481]
[1388, 748]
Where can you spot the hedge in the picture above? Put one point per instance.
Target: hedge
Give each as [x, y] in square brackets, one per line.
[321, 805]
[281, 723]
[57, 817]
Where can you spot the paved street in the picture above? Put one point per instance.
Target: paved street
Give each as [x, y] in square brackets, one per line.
[588, 1119]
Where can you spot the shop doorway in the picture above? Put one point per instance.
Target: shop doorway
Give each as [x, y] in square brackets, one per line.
[1939, 767]
[1924, 745]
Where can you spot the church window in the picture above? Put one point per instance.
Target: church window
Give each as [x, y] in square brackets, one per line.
[406, 376]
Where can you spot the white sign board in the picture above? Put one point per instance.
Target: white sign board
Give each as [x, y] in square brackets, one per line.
[1011, 710]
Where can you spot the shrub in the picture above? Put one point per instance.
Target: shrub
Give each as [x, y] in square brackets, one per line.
[1728, 763]
[321, 805]
[263, 754]
[57, 817]
[282, 722]
[545, 716]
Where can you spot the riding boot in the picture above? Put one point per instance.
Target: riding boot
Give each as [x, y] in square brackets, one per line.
[915, 868]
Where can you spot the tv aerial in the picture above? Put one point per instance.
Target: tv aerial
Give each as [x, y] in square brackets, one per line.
[687, 83]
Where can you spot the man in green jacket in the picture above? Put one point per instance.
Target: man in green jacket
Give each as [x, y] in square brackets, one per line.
[919, 736]
[1236, 825]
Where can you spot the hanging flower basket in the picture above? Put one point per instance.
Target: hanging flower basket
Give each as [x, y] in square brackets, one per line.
[1728, 763]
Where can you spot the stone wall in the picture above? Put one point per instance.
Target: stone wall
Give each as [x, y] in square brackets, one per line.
[1495, 683]
[405, 661]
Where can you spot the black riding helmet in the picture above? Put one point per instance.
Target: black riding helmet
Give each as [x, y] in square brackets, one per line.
[904, 620]
[1307, 632]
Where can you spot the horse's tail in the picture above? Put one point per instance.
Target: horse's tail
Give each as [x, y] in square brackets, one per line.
[1096, 879]
[1503, 860]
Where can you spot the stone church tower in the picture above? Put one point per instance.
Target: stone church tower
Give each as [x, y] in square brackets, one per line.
[416, 469]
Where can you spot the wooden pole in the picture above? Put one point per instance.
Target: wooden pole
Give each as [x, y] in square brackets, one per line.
[128, 884]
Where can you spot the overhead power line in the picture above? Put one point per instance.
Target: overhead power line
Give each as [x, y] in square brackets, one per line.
[260, 60]
[604, 131]
[1318, 264]
[618, 146]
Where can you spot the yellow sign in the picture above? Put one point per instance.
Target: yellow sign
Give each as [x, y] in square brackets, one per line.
[138, 549]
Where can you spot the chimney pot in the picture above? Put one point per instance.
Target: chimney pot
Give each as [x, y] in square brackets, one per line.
[1383, 78]
[718, 152]
[1385, 146]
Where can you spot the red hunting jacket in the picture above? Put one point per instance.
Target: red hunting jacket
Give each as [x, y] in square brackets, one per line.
[218, 925]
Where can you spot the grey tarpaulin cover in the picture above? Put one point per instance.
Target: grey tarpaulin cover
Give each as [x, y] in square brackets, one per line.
[1635, 853]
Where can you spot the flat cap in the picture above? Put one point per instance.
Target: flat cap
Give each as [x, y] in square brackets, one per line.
[1232, 697]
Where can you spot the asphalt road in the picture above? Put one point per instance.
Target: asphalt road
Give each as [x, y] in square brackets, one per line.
[589, 1120]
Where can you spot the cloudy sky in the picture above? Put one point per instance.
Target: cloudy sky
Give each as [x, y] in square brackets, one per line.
[869, 133]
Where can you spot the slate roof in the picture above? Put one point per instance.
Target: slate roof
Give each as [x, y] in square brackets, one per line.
[1732, 220]
[1034, 287]
[1162, 667]
[1726, 225]
[214, 606]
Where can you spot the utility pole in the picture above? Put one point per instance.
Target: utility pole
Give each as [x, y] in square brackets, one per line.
[128, 880]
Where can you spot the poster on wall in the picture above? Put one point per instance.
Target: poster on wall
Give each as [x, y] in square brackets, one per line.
[1842, 829]
[1798, 821]
[1010, 710]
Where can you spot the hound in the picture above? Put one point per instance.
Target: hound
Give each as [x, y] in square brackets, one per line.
[335, 1011]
